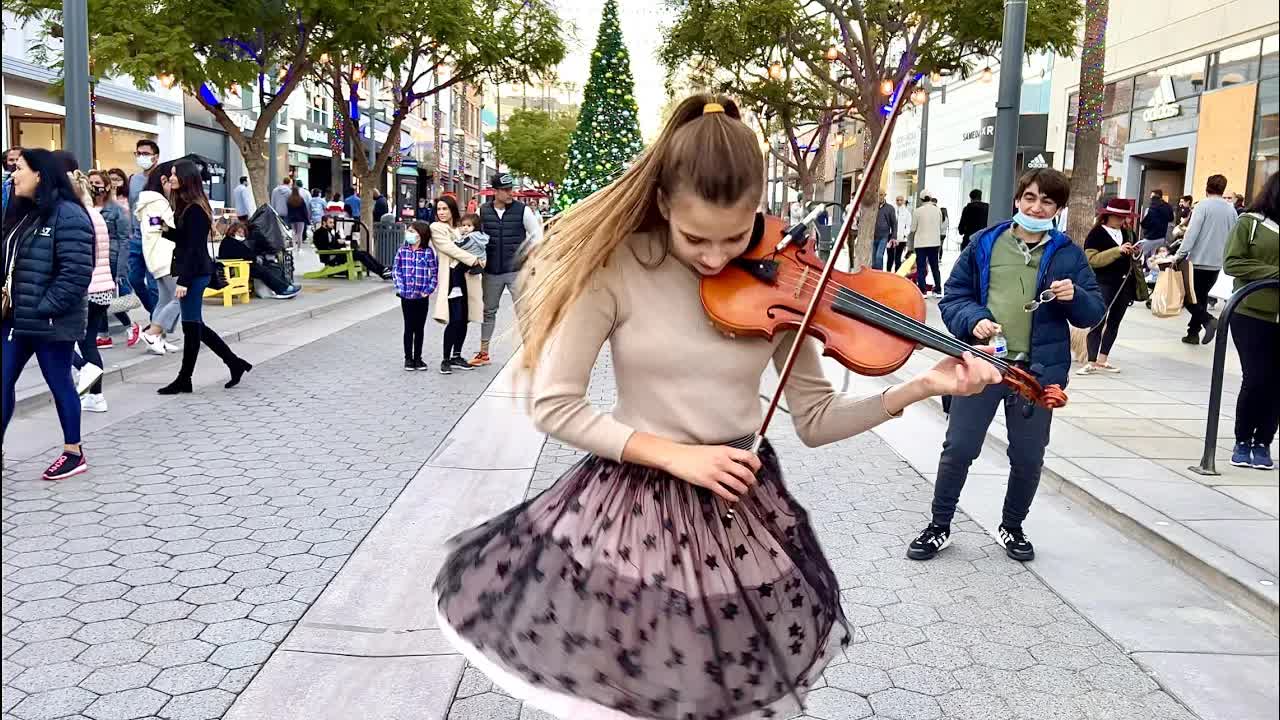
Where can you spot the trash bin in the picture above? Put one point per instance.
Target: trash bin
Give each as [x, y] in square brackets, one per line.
[387, 239]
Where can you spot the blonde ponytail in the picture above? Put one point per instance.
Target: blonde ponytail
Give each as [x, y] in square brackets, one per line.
[705, 148]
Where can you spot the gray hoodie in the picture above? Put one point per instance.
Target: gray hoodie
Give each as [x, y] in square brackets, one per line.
[1206, 240]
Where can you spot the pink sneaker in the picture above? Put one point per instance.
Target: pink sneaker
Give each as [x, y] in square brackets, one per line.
[132, 336]
[67, 465]
[105, 342]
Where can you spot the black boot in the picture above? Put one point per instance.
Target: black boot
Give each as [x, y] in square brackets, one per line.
[237, 366]
[191, 332]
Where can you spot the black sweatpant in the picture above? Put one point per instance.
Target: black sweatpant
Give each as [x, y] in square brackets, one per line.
[1103, 335]
[455, 333]
[966, 431]
[1258, 406]
[927, 259]
[415, 325]
[893, 256]
[1202, 280]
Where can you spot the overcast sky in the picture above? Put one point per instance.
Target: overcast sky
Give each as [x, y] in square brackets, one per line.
[639, 19]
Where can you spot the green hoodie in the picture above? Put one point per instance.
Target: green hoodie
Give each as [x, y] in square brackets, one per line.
[1253, 253]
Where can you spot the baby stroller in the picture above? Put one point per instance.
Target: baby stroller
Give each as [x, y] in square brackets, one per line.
[269, 241]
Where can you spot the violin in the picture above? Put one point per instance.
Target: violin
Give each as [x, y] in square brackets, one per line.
[870, 321]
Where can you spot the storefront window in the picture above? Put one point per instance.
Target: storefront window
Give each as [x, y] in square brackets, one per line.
[1266, 136]
[1187, 78]
[1165, 119]
[1234, 66]
[45, 134]
[113, 147]
[1271, 56]
[1117, 97]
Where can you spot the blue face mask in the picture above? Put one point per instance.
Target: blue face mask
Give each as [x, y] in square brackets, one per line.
[1031, 224]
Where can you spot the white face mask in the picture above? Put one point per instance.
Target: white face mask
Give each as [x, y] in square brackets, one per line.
[240, 238]
[145, 161]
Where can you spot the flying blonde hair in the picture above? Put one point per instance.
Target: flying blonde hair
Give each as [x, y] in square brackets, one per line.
[705, 148]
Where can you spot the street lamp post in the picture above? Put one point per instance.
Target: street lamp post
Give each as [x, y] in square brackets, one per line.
[1007, 106]
[922, 162]
[79, 123]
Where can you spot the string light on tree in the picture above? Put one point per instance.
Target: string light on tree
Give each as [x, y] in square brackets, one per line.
[1089, 107]
[607, 138]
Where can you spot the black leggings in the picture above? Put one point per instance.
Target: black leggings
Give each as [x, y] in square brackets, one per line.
[89, 343]
[415, 325]
[1258, 406]
[1103, 335]
[455, 333]
[893, 257]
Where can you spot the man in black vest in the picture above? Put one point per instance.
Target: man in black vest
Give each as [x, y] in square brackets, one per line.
[509, 225]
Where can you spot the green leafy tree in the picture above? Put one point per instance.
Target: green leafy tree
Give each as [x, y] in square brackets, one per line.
[851, 47]
[535, 144]
[213, 49]
[412, 50]
[607, 138]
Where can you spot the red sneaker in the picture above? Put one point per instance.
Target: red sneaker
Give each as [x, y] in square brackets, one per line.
[481, 359]
[105, 342]
[135, 331]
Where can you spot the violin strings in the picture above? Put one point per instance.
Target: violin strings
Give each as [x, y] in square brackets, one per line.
[897, 322]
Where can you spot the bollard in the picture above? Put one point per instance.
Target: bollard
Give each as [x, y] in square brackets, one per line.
[1208, 460]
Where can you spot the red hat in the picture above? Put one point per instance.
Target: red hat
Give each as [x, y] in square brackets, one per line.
[1123, 207]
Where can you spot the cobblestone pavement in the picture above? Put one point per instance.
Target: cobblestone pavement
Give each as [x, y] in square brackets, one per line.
[156, 585]
[970, 635]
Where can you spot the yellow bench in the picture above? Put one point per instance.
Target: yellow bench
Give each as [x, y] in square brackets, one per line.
[348, 266]
[238, 284]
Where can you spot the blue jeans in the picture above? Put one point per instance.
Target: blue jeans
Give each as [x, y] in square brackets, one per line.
[139, 278]
[55, 364]
[193, 303]
[966, 431]
[877, 252]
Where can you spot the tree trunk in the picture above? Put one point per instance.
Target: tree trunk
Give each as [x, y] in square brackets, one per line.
[860, 249]
[254, 151]
[1084, 172]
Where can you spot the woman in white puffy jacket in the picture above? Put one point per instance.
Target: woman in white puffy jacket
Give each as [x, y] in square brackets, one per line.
[154, 216]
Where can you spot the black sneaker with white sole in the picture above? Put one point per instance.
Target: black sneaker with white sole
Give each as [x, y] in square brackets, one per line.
[930, 542]
[1016, 545]
[458, 362]
[446, 367]
[67, 465]
[410, 365]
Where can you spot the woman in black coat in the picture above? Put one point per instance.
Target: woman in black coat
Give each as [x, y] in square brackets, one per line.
[48, 257]
[193, 268]
[1111, 247]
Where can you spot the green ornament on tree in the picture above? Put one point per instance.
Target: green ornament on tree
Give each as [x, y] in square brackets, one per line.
[607, 138]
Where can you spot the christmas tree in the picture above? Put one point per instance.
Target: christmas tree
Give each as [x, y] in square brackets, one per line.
[607, 138]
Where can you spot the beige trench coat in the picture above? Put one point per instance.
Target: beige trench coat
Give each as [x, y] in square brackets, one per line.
[448, 255]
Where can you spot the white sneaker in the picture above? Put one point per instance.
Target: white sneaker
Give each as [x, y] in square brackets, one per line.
[155, 345]
[87, 376]
[1087, 370]
[94, 403]
[170, 347]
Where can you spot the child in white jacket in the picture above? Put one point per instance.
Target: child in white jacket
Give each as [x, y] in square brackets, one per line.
[154, 216]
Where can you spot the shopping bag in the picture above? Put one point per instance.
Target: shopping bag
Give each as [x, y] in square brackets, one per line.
[1168, 297]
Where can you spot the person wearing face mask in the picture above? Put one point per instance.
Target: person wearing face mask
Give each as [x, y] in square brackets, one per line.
[235, 246]
[1027, 281]
[415, 277]
[147, 155]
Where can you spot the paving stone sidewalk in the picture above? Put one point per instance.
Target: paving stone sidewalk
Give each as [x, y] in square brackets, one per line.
[156, 585]
[970, 635]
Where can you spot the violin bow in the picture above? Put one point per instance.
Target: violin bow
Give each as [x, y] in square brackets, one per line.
[882, 144]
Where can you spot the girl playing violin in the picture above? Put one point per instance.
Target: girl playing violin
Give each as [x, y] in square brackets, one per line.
[669, 574]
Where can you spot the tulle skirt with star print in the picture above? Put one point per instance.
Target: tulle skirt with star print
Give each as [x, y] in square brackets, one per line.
[624, 592]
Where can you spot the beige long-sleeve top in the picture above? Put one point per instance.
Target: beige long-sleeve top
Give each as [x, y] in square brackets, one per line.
[677, 376]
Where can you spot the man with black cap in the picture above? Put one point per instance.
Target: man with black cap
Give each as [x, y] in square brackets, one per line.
[509, 225]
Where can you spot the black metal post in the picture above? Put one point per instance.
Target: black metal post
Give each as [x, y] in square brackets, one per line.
[1208, 461]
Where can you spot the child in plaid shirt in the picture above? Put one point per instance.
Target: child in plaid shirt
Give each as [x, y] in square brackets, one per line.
[414, 272]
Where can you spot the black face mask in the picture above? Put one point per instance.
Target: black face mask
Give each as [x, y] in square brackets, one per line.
[10, 167]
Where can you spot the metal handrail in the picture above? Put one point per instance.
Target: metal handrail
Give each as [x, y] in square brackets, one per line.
[1208, 462]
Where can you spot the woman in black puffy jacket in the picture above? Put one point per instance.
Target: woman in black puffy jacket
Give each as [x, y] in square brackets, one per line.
[193, 268]
[47, 257]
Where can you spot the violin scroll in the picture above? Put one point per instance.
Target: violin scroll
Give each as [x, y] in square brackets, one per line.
[1049, 397]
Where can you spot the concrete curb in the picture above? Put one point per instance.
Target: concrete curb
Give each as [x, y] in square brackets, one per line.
[1226, 574]
[145, 362]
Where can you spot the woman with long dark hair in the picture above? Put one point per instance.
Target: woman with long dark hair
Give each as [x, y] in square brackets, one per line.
[1111, 247]
[460, 297]
[299, 215]
[193, 267]
[47, 260]
[1253, 253]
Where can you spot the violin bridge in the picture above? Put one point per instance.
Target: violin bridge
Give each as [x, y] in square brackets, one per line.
[804, 282]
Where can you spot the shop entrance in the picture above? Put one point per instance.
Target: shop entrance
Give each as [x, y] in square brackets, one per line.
[1165, 170]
